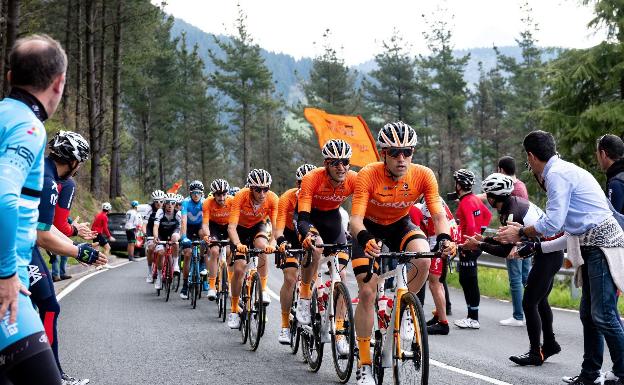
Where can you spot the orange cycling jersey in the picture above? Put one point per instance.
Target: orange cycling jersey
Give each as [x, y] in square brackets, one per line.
[384, 201]
[286, 209]
[212, 212]
[317, 191]
[244, 213]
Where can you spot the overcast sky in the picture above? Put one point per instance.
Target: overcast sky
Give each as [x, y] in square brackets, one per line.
[359, 26]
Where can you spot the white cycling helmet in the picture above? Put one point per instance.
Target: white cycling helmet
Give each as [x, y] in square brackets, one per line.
[219, 186]
[498, 184]
[106, 206]
[336, 149]
[397, 134]
[179, 198]
[196, 185]
[259, 178]
[171, 198]
[302, 170]
[157, 195]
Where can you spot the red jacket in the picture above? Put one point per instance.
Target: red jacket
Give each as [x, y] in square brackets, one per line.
[100, 224]
[472, 214]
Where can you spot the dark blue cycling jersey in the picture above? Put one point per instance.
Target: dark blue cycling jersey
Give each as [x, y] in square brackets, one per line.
[193, 211]
[49, 196]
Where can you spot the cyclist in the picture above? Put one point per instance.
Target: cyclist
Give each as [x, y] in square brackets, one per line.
[539, 320]
[474, 217]
[383, 195]
[322, 192]
[178, 201]
[420, 215]
[68, 150]
[166, 228]
[157, 197]
[248, 227]
[216, 212]
[22, 144]
[285, 235]
[100, 226]
[191, 228]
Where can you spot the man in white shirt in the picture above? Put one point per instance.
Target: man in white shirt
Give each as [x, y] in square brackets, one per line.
[133, 221]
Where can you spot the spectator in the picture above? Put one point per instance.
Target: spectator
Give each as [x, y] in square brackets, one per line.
[609, 152]
[100, 226]
[133, 221]
[595, 243]
[507, 166]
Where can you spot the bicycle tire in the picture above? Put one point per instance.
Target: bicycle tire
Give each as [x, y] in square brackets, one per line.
[410, 364]
[166, 278]
[315, 346]
[293, 324]
[378, 369]
[343, 365]
[176, 282]
[255, 316]
[243, 314]
[218, 289]
[225, 291]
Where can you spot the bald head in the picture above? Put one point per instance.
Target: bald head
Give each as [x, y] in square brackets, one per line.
[35, 61]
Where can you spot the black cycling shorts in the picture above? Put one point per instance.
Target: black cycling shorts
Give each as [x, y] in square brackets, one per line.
[248, 235]
[217, 231]
[329, 225]
[131, 235]
[192, 233]
[396, 236]
[293, 240]
[29, 361]
[41, 284]
[101, 239]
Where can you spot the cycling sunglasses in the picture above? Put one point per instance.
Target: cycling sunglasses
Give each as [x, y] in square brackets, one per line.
[395, 152]
[159, 201]
[219, 193]
[337, 162]
[196, 192]
[170, 202]
[260, 189]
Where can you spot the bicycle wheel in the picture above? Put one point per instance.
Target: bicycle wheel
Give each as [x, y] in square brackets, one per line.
[176, 282]
[293, 324]
[218, 289]
[244, 329]
[378, 369]
[313, 344]
[256, 313]
[410, 363]
[343, 363]
[225, 291]
[167, 277]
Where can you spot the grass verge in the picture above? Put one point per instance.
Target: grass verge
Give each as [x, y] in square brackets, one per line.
[495, 283]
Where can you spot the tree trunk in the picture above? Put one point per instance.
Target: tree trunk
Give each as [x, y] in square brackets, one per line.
[144, 162]
[68, 38]
[161, 170]
[78, 73]
[94, 129]
[102, 68]
[12, 29]
[115, 175]
[246, 144]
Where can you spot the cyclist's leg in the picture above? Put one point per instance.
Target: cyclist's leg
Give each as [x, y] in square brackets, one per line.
[186, 251]
[286, 292]
[150, 257]
[364, 312]
[239, 265]
[261, 240]
[437, 292]
[37, 369]
[175, 237]
[212, 264]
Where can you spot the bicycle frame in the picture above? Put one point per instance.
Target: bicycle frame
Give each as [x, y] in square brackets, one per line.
[400, 279]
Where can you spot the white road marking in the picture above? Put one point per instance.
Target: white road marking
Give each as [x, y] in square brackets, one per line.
[72, 286]
[272, 293]
[467, 373]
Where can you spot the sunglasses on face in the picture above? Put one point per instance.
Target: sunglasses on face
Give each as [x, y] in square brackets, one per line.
[161, 202]
[219, 194]
[396, 152]
[337, 162]
[260, 189]
[196, 192]
[170, 202]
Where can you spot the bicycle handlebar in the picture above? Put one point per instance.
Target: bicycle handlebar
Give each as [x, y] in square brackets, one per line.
[402, 256]
[166, 243]
[219, 243]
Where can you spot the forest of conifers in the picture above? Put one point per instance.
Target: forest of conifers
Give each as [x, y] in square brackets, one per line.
[153, 114]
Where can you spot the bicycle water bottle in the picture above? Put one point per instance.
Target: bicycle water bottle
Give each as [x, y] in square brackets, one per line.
[383, 315]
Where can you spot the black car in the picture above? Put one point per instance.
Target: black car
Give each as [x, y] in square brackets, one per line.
[116, 225]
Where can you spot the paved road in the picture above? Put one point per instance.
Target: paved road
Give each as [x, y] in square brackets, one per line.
[114, 330]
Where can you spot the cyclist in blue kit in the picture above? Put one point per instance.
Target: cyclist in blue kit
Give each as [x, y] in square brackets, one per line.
[191, 228]
[37, 77]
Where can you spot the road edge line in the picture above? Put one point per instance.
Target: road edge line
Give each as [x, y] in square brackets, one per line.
[72, 286]
[468, 373]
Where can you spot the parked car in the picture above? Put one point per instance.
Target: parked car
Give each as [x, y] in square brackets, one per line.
[116, 225]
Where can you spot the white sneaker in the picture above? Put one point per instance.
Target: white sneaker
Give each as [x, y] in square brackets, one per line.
[284, 336]
[212, 294]
[176, 267]
[511, 321]
[184, 293]
[303, 311]
[158, 283]
[203, 273]
[266, 298]
[69, 380]
[364, 375]
[234, 321]
[149, 278]
[342, 346]
[467, 323]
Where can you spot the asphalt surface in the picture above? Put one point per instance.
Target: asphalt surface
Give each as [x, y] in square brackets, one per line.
[113, 329]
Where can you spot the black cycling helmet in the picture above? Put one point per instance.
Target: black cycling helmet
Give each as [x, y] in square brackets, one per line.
[464, 178]
[196, 185]
[68, 146]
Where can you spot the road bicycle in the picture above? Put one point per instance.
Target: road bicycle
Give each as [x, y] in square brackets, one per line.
[167, 268]
[221, 284]
[194, 279]
[293, 325]
[330, 303]
[400, 338]
[253, 313]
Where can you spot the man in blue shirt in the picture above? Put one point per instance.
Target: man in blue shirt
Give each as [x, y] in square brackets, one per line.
[610, 154]
[190, 229]
[577, 205]
[37, 77]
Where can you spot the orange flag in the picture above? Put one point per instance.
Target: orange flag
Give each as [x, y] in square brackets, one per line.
[176, 186]
[351, 129]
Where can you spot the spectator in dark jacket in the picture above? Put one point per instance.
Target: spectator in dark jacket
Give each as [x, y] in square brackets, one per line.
[610, 154]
